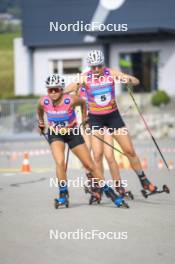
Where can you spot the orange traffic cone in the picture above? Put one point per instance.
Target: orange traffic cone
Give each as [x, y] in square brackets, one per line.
[170, 164]
[25, 164]
[145, 164]
[160, 164]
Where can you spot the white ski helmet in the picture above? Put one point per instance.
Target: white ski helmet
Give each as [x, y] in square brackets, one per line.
[95, 57]
[55, 80]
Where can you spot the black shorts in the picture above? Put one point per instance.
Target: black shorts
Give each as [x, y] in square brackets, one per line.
[72, 139]
[112, 121]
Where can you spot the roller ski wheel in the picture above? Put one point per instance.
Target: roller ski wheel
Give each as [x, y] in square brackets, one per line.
[117, 200]
[144, 193]
[87, 189]
[62, 201]
[147, 192]
[129, 195]
[120, 202]
[165, 189]
[125, 193]
[95, 198]
[95, 194]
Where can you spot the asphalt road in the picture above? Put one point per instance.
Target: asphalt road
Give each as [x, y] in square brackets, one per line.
[28, 219]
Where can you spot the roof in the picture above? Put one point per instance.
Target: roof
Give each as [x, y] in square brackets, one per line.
[142, 17]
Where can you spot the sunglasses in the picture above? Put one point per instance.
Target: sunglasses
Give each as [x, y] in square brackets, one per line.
[97, 66]
[55, 90]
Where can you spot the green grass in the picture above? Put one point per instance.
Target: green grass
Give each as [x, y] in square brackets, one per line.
[7, 64]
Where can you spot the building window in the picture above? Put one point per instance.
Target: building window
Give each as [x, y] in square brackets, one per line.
[71, 66]
[144, 66]
[66, 66]
[55, 66]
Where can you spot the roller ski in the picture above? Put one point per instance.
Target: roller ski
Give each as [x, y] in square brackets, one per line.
[148, 192]
[124, 192]
[95, 193]
[150, 189]
[63, 200]
[117, 200]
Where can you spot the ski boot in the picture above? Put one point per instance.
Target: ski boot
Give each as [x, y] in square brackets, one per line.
[95, 193]
[117, 200]
[63, 200]
[150, 189]
[123, 191]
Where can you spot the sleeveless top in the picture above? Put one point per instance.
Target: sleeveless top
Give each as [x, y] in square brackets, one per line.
[100, 93]
[59, 116]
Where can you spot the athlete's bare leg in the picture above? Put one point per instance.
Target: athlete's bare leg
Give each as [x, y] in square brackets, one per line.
[110, 158]
[81, 151]
[125, 142]
[98, 150]
[58, 148]
[87, 139]
[107, 152]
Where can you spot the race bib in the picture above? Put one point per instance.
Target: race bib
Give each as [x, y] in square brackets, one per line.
[102, 99]
[61, 124]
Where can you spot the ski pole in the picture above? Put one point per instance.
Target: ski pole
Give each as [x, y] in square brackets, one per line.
[102, 140]
[146, 125]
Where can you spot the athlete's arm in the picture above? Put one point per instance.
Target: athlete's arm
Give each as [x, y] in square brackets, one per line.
[75, 86]
[40, 114]
[123, 77]
[82, 103]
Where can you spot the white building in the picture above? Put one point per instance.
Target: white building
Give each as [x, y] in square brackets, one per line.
[146, 49]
